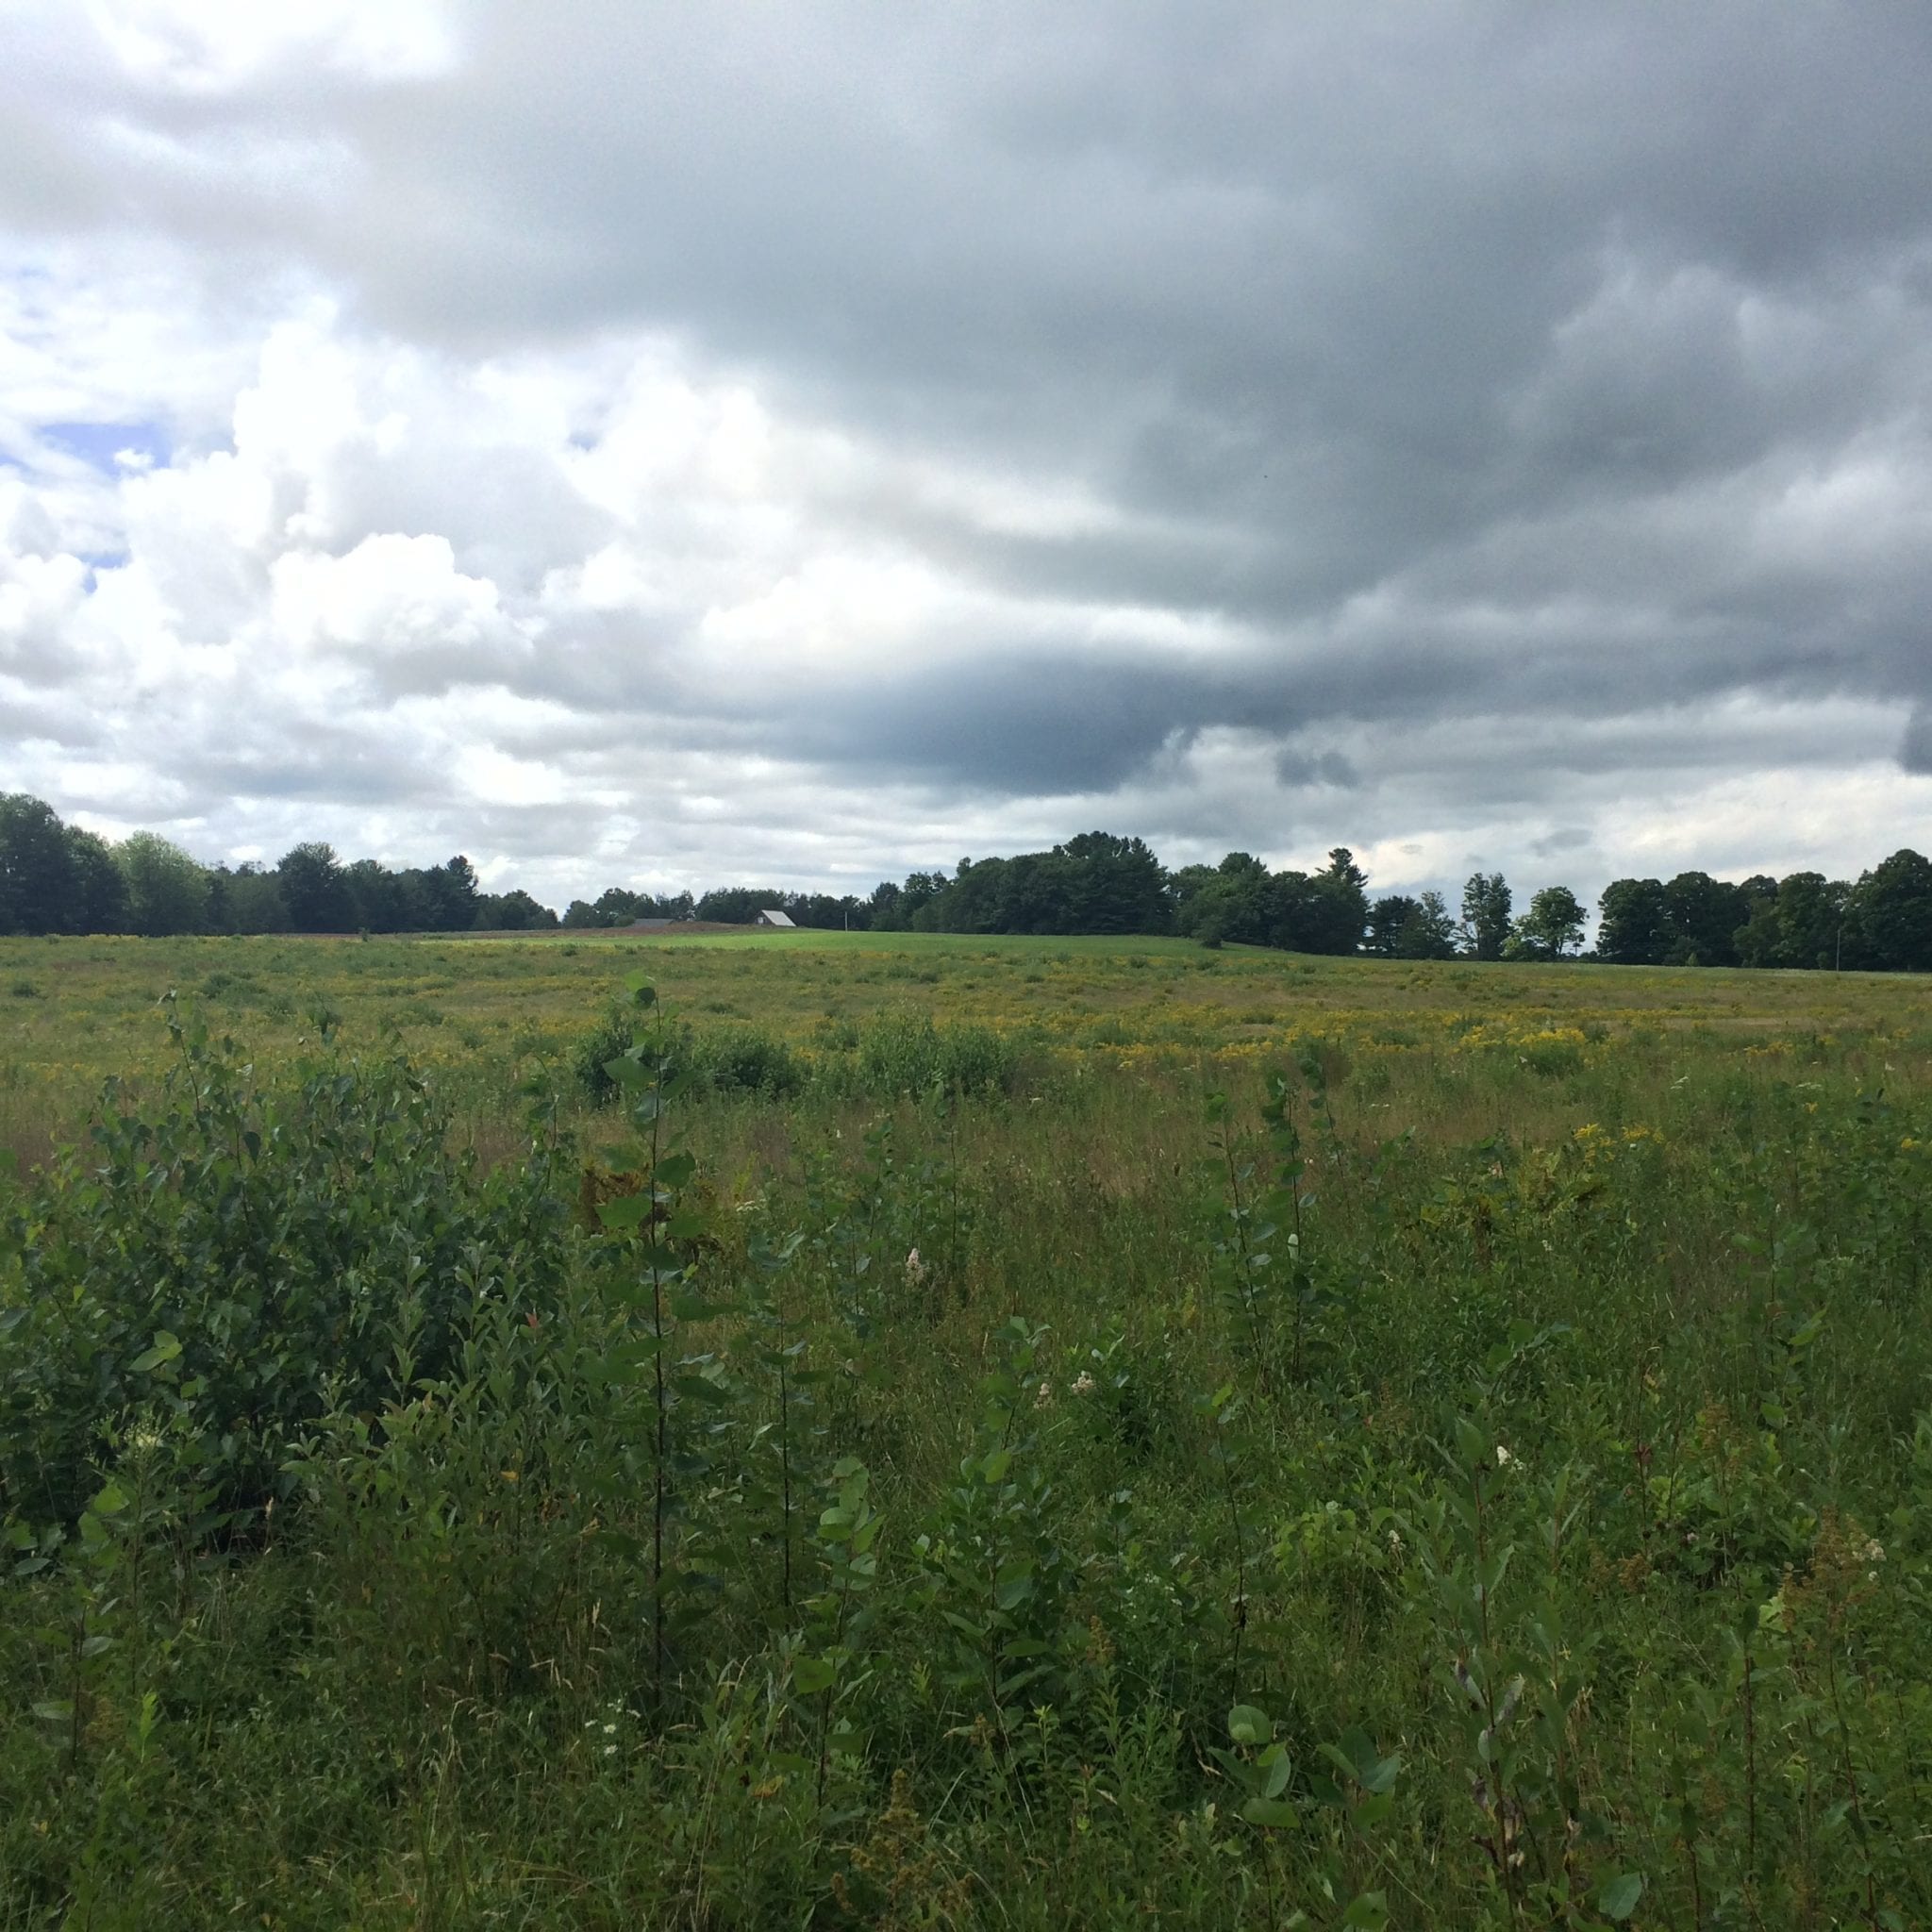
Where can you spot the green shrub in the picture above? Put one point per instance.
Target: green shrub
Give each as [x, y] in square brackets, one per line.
[1553, 1057]
[907, 1054]
[747, 1062]
[242, 1258]
[596, 1050]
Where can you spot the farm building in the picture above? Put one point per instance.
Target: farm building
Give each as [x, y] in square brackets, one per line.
[772, 916]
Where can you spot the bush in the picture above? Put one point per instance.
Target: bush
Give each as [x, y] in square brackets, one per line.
[748, 1061]
[595, 1051]
[907, 1052]
[241, 1259]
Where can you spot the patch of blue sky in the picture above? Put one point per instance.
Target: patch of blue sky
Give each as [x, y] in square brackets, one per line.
[113, 448]
[97, 561]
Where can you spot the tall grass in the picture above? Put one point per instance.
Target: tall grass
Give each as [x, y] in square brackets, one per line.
[1441, 1483]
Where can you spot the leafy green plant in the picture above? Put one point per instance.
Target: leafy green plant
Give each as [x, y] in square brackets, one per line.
[230, 1255]
[992, 1570]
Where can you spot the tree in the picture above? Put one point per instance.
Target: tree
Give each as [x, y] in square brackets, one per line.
[1485, 903]
[920, 889]
[1550, 928]
[36, 867]
[1387, 917]
[1031, 891]
[1337, 905]
[1230, 902]
[167, 892]
[731, 904]
[253, 902]
[1810, 920]
[1893, 906]
[444, 898]
[380, 898]
[1635, 927]
[314, 890]
[977, 901]
[514, 912]
[98, 892]
[824, 911]
[1114, 885]
[1704, 916]
[1428, 932]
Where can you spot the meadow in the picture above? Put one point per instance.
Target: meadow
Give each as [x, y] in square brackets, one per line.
[819, 1429]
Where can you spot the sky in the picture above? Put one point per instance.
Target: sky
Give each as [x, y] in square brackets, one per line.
[678, 444]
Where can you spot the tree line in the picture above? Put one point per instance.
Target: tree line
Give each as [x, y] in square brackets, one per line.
[60, 878]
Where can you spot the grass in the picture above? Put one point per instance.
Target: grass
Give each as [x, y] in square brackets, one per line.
[491, 1014]
[1435, 1445]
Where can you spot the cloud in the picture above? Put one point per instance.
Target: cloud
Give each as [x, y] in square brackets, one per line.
[645, 445]
[1915, 753]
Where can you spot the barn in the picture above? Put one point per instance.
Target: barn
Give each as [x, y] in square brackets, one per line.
[772, 916]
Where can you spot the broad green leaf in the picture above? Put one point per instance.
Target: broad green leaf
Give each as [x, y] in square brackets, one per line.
[623, 1212]
[1247, 1725]
[811, 1674]
[1013, 1585]
[1274, 1813]
[164, 1349]
[1617, 1897]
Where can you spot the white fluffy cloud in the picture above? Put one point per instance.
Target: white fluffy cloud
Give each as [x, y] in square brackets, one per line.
[647, 450]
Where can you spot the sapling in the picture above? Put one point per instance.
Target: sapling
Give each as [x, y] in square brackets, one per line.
[657, 1231]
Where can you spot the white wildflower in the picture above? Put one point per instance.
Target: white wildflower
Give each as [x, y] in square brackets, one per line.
[915, 1268]
[1084, 1384]
[1045, 1397]
[1874, 1550]
[1504, 1458]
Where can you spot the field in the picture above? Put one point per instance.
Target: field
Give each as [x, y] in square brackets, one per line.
[898, 1430]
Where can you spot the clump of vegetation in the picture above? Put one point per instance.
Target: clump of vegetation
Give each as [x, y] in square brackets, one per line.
[241, 1261]
[892, 1057]
[1356, 1481]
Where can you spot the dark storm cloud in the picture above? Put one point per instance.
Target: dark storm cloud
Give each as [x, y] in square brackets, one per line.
[1503, 300]
[1915, 754]
[1189, 241]
[1564, 838]
[1298, 770]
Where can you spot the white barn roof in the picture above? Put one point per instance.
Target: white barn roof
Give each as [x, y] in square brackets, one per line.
[772, 916]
